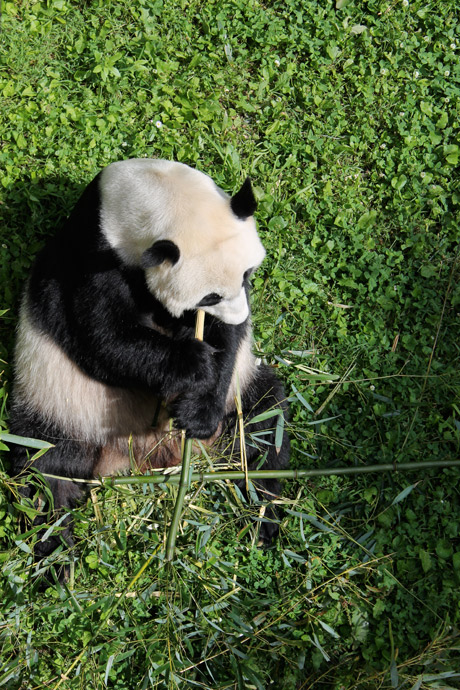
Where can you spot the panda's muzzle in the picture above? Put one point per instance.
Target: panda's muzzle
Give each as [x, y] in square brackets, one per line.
[232, 311]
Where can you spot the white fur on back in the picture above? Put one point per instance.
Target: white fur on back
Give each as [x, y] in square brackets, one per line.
[48, 382]
[145, 200]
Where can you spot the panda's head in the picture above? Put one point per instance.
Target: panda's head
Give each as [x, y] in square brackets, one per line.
[196, 244]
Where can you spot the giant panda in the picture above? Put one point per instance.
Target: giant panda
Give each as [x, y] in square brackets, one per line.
[106, 349]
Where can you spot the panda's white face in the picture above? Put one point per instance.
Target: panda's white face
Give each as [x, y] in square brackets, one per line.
[180, 227]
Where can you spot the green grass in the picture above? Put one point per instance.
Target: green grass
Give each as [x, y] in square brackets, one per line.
[346, 117]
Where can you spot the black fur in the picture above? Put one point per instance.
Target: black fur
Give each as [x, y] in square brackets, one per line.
[163, 250]
[264, 393]
[91, 305]
[243, 203]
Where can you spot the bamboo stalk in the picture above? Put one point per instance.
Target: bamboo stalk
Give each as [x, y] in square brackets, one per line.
[184, 481]
[243, 454]
[161, 478]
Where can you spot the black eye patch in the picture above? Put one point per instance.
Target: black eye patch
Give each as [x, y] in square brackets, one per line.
[210, 300]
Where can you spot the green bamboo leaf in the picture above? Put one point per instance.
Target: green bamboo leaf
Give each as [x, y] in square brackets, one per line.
[317, 523]
[294, 556]
[11, 670]
[256, 680]
[28, 510]
[279, 432]
[394, 674]
[328, 629]
[218, 606]
[264, 416]
[51, 529]
[401, 496]
[323, 421]
[318, 646]
[440, 676]
[23, 546]
[24, 441]
[316, 376]
[110, 661]
[300, 397]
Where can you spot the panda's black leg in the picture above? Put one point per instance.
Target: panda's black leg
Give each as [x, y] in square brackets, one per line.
[265, 395]
[65, 494]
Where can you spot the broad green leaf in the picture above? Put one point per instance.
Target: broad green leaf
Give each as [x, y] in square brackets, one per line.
[443, 120]
[367, 220]
[425, 559]
[399, 183]
[444, 549]
[435, 138]
[456, 561]
[426, 108]
[333, 50]
[428, 271]
[451, 153]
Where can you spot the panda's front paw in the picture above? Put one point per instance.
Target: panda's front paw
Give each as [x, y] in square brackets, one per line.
[195, 368]
[200, 416]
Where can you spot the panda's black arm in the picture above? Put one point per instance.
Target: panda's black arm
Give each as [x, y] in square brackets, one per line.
[130, 353]
[198, 373]
[135, 356]
[97, 322]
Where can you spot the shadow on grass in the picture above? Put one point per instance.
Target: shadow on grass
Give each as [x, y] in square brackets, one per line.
[30, 211]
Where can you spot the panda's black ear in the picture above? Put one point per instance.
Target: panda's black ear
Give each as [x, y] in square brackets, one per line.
[163, 250]
[243, 203]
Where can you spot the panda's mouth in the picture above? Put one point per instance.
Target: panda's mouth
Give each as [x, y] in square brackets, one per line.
[232, 311]
[209, 300]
